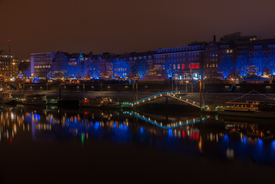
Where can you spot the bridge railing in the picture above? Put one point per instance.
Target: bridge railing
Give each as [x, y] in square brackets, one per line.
[162, 93]
[189, 100]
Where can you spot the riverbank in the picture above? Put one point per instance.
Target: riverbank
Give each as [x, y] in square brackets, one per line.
[210, 99]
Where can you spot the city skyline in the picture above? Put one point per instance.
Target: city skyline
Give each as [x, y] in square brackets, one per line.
[115, 27]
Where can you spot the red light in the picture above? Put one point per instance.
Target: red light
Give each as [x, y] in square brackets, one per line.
[183, 133]
[10, 139]
[194, 66]
[86, 113]
[86, 101]
[9, 40]
[182, 67]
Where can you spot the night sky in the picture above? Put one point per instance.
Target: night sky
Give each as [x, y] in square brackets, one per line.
[120, 26]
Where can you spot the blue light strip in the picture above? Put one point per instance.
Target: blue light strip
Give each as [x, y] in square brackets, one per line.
[158, 125]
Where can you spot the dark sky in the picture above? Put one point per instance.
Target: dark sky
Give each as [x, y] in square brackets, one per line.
[120, 26]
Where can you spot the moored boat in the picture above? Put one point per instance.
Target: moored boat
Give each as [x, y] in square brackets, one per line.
[5, 98]
[245, 109]
[34, 100]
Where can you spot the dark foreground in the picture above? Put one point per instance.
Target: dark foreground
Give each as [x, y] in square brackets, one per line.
[91, 146]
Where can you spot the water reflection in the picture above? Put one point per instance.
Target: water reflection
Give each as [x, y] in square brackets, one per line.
[197, 135]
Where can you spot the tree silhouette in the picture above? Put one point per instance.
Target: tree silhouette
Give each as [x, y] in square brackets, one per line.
[140, 67]
[260, 63]
[226, 66]
[121, 68]
[242, 64]
[271, 63]
[170, 67]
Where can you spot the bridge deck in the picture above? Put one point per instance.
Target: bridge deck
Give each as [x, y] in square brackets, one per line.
[172, 94]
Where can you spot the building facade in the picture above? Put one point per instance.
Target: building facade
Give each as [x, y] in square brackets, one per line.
[183, 61]
[8, 65]
[242, 42]
[214, 54]
[41, 64]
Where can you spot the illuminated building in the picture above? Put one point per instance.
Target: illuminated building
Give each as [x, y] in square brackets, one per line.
[214, 53]
[41, 64]
[241, 42]
[8, 65]
[24, 67]
[186, 60]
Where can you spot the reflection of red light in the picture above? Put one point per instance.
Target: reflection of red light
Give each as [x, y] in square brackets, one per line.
[86, 113]
[183, 133]
[10, 139]
[262, 134]
[193, 135]
[234, 129]
[197, 136]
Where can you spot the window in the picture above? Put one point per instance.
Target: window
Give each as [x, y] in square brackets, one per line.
[258, 47]
[182, 66]
[194, 66]
[178, 66]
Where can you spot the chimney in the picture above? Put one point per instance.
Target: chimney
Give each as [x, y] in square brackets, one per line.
[214, 38]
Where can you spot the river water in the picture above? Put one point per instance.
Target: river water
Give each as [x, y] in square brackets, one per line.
[51, 145]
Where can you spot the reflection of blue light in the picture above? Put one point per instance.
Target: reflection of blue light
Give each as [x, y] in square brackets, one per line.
[114, 125]
[141, 130]
[273, 144]
[244, 140]
[97, 124]
[75, 120]
[121, 126]
[225, 138]
[260, 142]
[170, 132]
[36, 116]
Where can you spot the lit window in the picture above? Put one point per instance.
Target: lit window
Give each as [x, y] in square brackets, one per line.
[178, 66]
[182, 66]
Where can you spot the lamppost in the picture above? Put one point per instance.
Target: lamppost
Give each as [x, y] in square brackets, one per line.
[13, 69]
[186, 82]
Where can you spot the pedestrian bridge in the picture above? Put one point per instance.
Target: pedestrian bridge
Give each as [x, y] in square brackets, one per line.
[167, 126]
[173, 94]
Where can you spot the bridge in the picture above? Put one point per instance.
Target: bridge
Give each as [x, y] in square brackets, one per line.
[173, 94]
[168, 126]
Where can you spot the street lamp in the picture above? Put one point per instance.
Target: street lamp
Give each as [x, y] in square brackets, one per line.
[186, 82]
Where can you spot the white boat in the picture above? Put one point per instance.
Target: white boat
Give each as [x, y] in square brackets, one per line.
[5, 98]
[245, 109]
[34, 100]
[248, 106]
